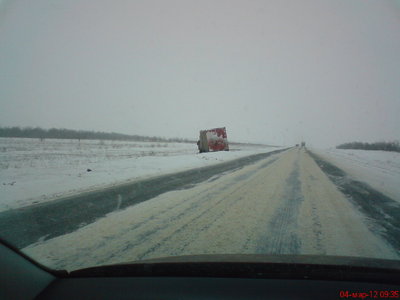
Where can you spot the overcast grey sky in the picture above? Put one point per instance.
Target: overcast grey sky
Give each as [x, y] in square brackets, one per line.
[270, 71]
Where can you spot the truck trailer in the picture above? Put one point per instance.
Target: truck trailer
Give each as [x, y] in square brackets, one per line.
[213, 140]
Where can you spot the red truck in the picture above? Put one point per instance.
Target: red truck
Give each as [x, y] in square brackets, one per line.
[213, 140]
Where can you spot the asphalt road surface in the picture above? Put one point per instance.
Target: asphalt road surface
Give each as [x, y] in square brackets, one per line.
[289, 202]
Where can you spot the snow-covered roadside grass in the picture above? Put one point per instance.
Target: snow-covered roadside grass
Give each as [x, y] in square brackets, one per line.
[379, 169]
[34, 171]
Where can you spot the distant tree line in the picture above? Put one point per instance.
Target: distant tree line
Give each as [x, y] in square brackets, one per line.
[385, 146]
[54, 133]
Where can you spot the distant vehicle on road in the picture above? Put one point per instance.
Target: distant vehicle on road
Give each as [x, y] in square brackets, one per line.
[303, 144]
[213, 140]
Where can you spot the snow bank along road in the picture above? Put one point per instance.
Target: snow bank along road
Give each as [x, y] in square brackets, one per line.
[281, 204]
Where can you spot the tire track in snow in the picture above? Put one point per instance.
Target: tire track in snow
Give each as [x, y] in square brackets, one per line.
[212, 217]
[317, 229]
[316, 222]
[281, 236]
[201, 212]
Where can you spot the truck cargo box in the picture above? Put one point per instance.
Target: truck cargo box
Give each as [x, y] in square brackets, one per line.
[213, 140]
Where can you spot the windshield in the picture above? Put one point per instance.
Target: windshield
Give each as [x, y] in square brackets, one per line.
[134, 130]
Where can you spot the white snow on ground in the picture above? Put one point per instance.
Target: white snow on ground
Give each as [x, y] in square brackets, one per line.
[34, 171]
[379, 169]
[245, 211]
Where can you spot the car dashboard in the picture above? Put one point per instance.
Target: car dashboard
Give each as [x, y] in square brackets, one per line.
[204, 277]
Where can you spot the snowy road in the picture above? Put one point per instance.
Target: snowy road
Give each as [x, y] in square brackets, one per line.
[28, 224]
[283, 204]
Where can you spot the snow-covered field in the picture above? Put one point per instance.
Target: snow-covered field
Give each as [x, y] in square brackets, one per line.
[379, 169]
[34, 171]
